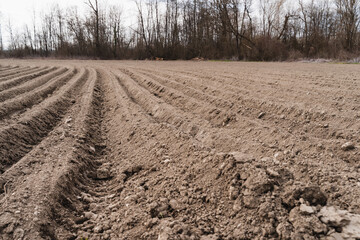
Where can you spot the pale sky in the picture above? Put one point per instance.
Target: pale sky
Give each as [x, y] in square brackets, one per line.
[20, 12]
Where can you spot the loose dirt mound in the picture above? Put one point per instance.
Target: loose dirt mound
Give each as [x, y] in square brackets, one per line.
[182, 150]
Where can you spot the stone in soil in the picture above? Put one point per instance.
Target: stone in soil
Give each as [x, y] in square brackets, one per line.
[261, 115]
[348, 223]
[307, 210]
[348, 146]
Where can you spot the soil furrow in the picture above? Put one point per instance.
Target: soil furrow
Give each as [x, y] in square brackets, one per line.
[95, 184]
[5, 69]
[300, 132]
[28, 99]
[22, 73]
[66, 144]
[157, 108]
[159, 148]
[18, 139]
[219, 112]
[15, 72]
[280, 91]
[19, 80]
[240, 123]
[106, 200]
[30, 85]
[88, 157]
[246, 105]
[283, 91]
[313, 132]
[202, 131]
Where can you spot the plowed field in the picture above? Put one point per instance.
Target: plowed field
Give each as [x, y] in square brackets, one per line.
[179, 150]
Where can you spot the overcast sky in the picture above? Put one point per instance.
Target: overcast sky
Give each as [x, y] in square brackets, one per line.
[20, 12]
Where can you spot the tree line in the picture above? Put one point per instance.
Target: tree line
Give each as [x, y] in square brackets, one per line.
[262, 30]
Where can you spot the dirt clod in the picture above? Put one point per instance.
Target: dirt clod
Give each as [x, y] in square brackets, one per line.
[312, 194]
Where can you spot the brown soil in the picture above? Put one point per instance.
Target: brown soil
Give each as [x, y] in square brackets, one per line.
[179, 150]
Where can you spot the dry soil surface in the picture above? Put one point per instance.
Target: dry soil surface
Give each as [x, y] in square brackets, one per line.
[179, 150]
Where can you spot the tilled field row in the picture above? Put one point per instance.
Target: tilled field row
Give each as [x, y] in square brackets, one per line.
[18, 101]
[16, 72]
[29, 85]
[227, 107]
[4, 68]
[140, 150]
[11, 82]
[19, 138]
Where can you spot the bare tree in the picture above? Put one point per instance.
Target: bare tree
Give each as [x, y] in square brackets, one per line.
[185, 29]
[271, 12]
[76, 31]
[349, 12]
[234, 14]
[142, 32]
[1, 37]
[93, 4]
[11, 35]
[116, 30]
[60, 34]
